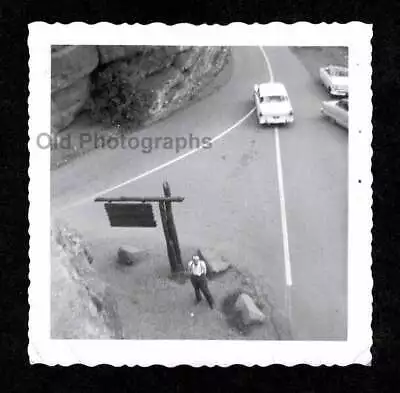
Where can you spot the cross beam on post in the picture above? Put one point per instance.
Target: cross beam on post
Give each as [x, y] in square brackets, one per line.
[140, 199]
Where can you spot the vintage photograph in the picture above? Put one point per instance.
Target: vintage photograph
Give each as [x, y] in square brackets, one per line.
[198, 192]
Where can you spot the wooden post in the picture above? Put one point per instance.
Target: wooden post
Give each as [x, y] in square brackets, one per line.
[171, 226]
[168, 240]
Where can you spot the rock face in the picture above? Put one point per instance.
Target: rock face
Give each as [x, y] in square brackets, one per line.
[82, 306]
[145, 84]
[109, 53]
[70, 63]
[134, 84]
[71, 66]
[249, 312]
[67, 103]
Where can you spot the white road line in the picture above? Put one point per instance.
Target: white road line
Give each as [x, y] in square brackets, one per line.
[285, 235]
[270, 73]
[286, 253]
[156, 169]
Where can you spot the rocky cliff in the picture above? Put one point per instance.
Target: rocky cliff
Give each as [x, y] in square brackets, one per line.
[82, 306]
[134, 84]
[71, 67]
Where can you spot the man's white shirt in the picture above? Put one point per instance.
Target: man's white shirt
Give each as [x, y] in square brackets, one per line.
[199, 269]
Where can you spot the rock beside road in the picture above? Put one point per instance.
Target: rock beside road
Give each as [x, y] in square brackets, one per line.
[121, 84]
[109, 53]
[128, 255]
[70, 63]
[216, 264]
[68, 102]
[71, 66]
[145, 84]
[249, 307]
[82, 305]
[128, 85]
[249, 312]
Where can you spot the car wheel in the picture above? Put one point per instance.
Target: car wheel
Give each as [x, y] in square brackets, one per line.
[330, 90]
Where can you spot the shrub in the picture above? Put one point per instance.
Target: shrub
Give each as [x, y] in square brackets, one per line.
[114, 99]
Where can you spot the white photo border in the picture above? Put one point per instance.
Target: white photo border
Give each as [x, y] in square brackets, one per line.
[42, 349]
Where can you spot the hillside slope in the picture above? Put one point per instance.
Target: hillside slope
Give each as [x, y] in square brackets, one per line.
[82, 305]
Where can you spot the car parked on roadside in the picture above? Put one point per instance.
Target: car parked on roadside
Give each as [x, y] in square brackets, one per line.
[336, 79]
[272, 103]
[337, 111]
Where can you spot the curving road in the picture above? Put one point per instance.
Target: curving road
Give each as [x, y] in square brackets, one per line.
[233, 199]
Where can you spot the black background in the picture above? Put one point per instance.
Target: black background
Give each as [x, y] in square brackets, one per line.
[16, 375]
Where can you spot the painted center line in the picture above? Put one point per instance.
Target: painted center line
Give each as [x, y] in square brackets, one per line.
[270, 73]
[285, 235]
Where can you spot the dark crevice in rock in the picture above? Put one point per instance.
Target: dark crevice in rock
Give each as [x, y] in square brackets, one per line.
[97, 303]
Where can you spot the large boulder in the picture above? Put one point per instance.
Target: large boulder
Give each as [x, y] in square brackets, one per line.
[249, 312]
[210, 61]
[157, 89]
[82, 305]
[68, 102]
[184, 60]
[216, 263]
[57, 48]
[71, 66]
[70, 63]
[145, 84]
[109, 53]
[128, 255]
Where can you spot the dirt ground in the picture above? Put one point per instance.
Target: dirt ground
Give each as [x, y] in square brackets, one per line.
[154, 305]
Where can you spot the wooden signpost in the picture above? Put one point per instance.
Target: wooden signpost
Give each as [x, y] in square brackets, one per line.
[138, 212]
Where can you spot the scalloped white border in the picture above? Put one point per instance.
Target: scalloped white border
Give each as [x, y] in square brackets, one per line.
[356, 349]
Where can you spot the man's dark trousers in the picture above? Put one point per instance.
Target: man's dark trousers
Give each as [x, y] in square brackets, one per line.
[200, 285]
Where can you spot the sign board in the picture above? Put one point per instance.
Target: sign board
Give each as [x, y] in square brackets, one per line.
[130, 215]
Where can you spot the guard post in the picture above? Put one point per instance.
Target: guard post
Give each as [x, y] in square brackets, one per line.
[138, 212]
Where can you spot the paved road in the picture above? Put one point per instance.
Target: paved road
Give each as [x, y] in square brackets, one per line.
[232, 198]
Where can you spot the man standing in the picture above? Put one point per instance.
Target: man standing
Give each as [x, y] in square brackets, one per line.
[198, 271]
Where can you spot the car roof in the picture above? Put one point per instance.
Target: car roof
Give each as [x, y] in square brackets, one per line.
[272, 88]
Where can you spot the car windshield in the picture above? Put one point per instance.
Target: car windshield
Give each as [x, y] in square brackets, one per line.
[273, 99]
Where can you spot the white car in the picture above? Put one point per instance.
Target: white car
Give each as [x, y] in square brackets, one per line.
[335, 79]
[272, 104]
[337, 111]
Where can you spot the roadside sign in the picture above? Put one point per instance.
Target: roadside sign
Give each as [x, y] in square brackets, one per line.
[136, 211]
[130, 215]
